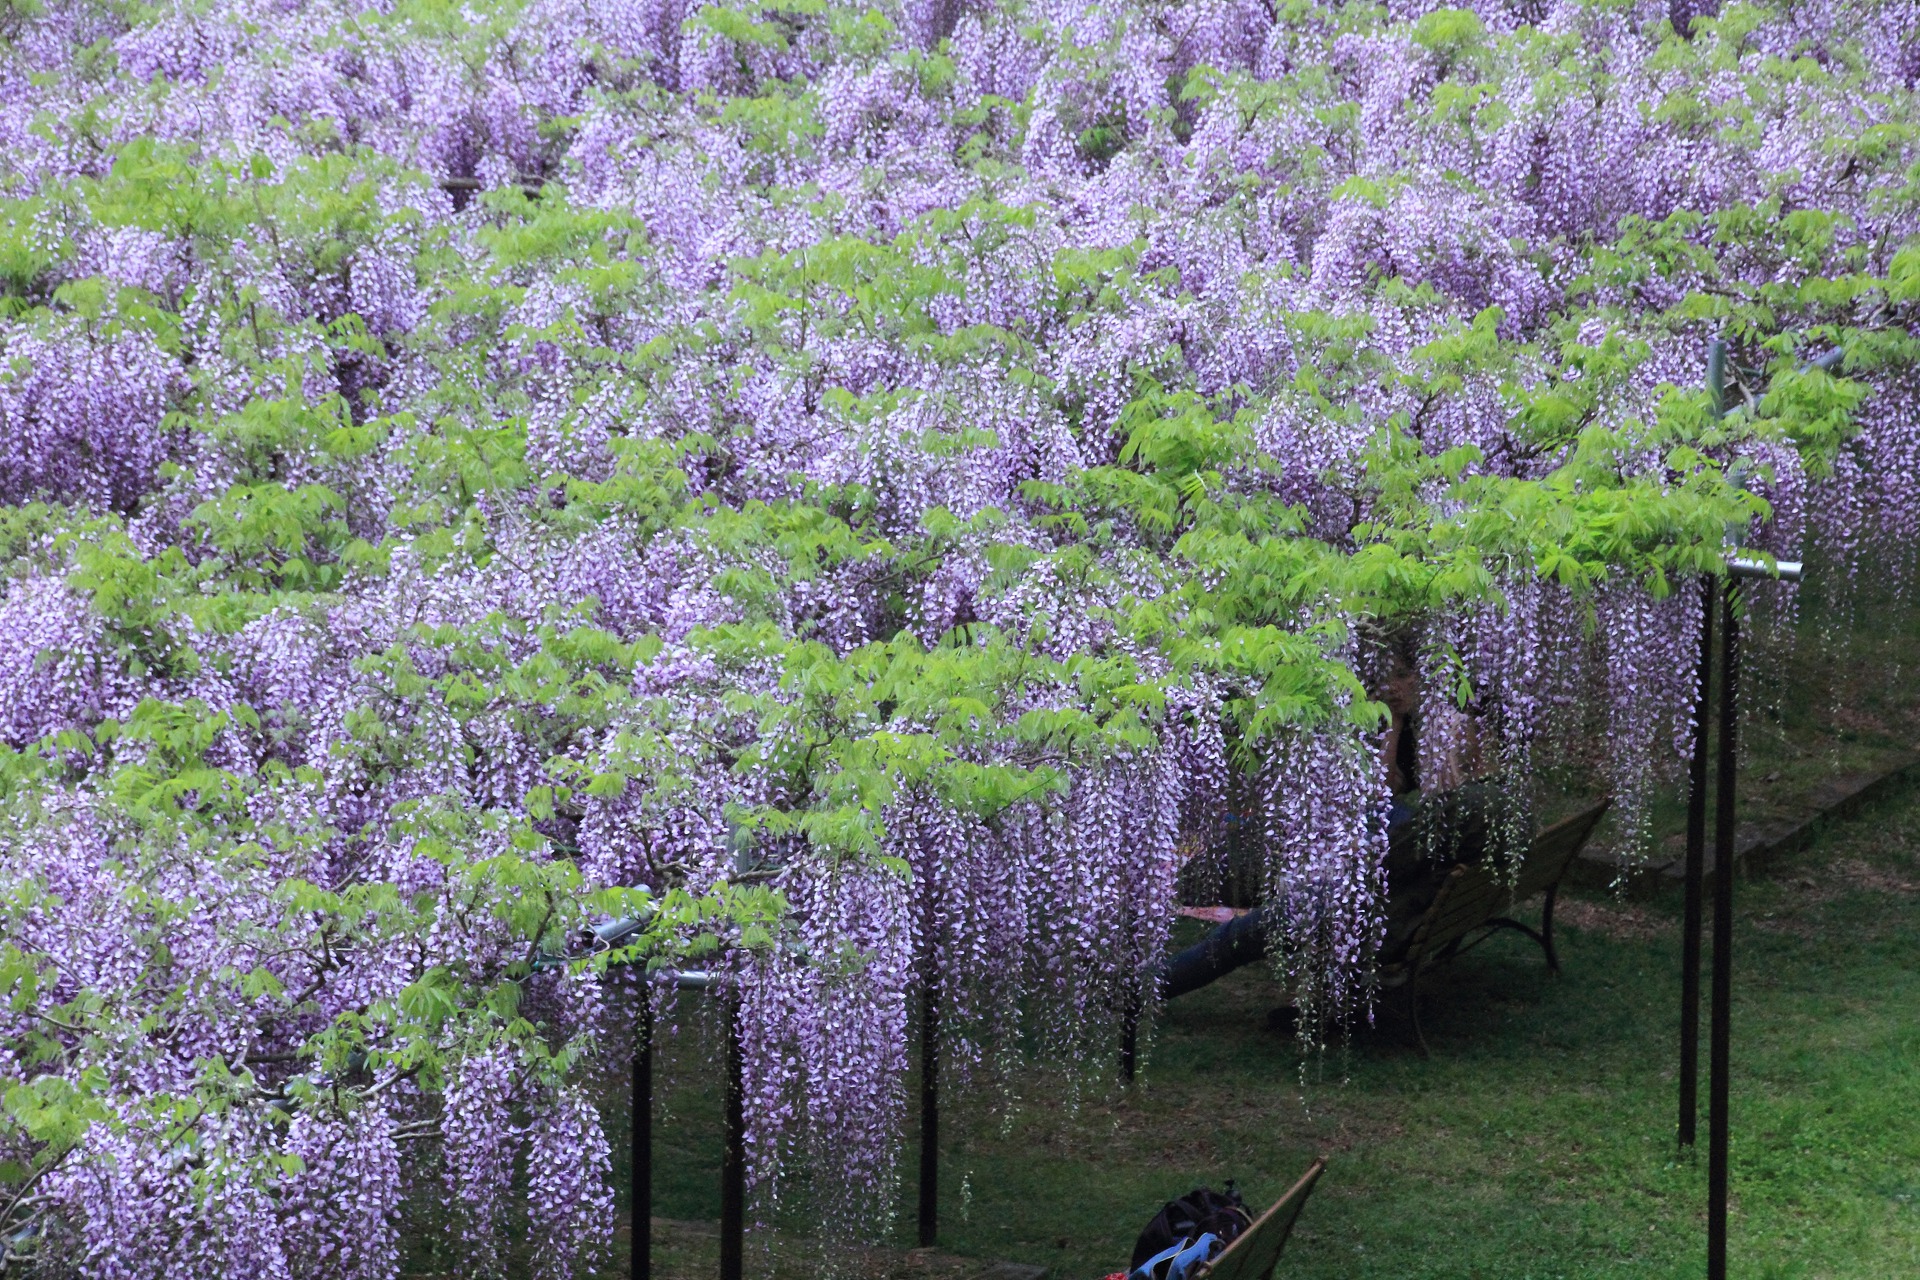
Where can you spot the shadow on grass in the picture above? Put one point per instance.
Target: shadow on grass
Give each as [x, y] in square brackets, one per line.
[1537, 1142]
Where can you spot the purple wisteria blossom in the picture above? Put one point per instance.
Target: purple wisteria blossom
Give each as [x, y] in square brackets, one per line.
[884, 494]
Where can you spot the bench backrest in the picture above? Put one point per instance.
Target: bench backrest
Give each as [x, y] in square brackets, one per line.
[1468, 898]
[1472, 895]
[1254, 1252]
[1555, 848]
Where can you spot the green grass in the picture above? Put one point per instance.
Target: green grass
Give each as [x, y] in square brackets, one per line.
[1537, 1142]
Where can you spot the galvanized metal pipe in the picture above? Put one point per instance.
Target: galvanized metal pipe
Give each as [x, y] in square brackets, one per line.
[1753, 568]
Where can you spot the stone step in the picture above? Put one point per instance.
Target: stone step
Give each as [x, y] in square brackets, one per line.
[1755, 844]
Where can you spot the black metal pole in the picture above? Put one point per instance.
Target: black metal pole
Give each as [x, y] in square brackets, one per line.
[929, 966]
[1696, 860]
[733, 1164]
[1131, 998]
[1690, 928]
[641, 1242]
[1721, 1035]
[929, 1108]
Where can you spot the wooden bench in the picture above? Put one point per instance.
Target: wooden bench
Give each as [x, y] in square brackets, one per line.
[1473, 902]
[1254, 1252]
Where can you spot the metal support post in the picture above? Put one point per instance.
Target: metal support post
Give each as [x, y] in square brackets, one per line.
[1696, 860]
[641, 1241]
[1720, 1039]
[1697, 815]
[929, 1110]
[733, 1164]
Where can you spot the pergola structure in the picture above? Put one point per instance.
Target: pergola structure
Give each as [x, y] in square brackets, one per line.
[1719, 623]
[1724, 602]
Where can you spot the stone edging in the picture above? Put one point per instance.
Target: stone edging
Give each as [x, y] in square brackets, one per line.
[1756, 844]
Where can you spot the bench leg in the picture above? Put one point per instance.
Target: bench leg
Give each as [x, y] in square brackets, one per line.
[1546, 930]
[1545, 940]
[1413, 1014]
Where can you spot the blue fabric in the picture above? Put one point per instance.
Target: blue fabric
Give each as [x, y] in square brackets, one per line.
[1401, 811]
[1145, 1270]
[1199, 1251]
[1180, 1258]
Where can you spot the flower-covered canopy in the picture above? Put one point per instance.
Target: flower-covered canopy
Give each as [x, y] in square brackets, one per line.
[873, 488]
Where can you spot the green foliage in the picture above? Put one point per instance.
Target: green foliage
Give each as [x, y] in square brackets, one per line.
[1449, 31]
[1180, 544]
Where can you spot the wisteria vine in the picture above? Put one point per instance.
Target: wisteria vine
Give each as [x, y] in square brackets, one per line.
[875, 491]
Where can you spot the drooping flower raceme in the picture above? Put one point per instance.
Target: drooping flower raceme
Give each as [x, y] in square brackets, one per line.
[883, 495]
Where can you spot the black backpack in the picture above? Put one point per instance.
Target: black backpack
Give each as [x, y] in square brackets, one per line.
[1200, 1211]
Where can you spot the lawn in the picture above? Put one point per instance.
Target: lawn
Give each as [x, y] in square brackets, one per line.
[1538, 1140]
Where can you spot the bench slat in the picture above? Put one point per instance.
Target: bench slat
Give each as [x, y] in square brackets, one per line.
[1252, 1256]
[1477, 895]
[1554, 849]
[1469, 896]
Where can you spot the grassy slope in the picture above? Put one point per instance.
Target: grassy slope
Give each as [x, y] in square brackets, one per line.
[1537, 1141]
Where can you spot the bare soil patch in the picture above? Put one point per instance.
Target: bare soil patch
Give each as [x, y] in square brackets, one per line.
[1617, 920]
[691, 1251]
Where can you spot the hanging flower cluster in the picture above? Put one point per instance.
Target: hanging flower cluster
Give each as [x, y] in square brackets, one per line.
[879, 493]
